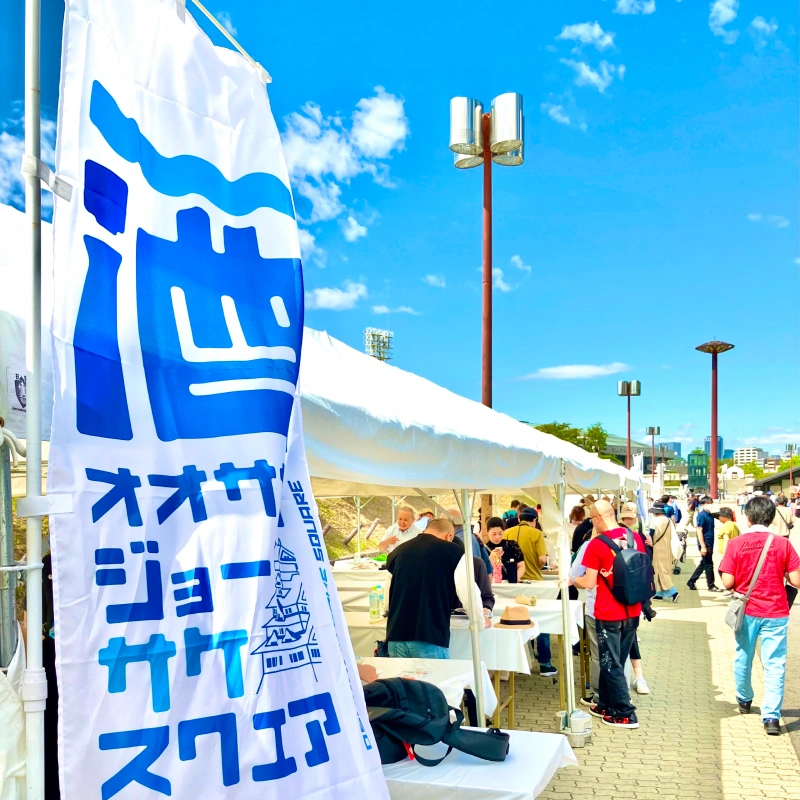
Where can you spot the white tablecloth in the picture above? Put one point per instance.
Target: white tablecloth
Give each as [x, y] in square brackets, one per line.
[451, 676]
[532, 761]
[501, 648]
[541, 590]
[547, 613]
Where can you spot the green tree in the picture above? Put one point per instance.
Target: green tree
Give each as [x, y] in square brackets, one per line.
[594, 438]
[752, 468]
[561, 430]
[699, 450]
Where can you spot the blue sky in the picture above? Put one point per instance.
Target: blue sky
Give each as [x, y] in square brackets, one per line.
[657, 207]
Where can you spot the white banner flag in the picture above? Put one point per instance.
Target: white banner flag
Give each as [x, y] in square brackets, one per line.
[201, 647]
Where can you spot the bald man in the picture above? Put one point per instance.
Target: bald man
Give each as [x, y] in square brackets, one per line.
[402, 531]
[615, 623]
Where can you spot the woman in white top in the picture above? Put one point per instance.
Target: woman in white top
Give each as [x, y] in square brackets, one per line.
[783, 518]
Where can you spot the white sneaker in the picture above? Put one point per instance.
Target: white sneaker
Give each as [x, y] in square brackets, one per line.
[640, 684]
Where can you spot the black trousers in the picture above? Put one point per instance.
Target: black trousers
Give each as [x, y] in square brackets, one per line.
[614, 641]
[706, 565]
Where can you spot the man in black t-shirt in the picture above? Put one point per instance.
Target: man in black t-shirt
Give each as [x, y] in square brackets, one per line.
[427, 572]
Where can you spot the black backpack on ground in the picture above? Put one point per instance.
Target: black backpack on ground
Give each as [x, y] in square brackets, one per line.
[404, 713]
[634, 578]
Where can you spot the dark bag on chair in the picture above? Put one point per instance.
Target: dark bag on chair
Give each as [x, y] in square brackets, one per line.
[404, 713]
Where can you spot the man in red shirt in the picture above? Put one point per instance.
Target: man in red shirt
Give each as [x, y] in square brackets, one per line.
[767, 611]
[616, 623]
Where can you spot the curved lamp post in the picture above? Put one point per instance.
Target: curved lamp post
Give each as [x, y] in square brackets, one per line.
[715, 348]
[482, 138]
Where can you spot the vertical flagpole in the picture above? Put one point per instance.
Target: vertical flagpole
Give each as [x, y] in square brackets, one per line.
[34, 689]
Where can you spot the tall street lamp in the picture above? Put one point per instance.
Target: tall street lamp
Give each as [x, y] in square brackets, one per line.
[477, 138]
[653, 432]
[715, 348]
[791, 448]
[629, 389]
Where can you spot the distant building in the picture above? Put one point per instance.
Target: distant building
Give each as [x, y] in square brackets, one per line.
[745, 455]
[772, 463]
[727, 453]
[698, 471]
[720, 448]
[674, 446]
[733, 473]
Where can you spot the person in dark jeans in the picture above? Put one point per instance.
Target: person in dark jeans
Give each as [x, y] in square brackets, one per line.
[705, 540]
[615, 623]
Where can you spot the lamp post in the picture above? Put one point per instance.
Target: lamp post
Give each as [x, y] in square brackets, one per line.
[714, 348]
[791, 448]
[629, 389]
[652, 433]
[477, 138]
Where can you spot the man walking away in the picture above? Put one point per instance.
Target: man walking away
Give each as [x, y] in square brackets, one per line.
[511, 514]
[616, 622]
[705, 540]
[692, 505]
[578, 570]
[766, 614]
[427, 572]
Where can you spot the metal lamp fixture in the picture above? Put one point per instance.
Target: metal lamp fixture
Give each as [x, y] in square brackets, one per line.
[653, 432]
[506, 131]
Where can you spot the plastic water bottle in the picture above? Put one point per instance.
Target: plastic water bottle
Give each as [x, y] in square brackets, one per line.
[381, 600]
[374, 605]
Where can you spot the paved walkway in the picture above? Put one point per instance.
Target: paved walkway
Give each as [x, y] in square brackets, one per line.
[692, 741]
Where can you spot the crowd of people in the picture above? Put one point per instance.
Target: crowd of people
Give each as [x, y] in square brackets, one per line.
[625, 564]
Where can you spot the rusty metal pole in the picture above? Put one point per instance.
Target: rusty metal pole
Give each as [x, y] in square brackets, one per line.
[486, 376]
[486, 339]
[628, 456]
[653, 456]
[712, 478]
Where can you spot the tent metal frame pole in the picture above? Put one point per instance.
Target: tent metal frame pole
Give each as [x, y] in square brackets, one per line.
[563, 576]
[475, 615]
[358, 525]
[34, 682]
[8, 580]
[438, 506]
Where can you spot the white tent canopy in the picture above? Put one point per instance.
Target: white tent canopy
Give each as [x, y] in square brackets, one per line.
[371, 428]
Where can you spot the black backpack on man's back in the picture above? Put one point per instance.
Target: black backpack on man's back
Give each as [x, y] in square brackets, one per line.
[404, 713]
[634, 578]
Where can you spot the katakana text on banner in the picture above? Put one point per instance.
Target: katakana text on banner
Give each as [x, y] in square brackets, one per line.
[201, 648]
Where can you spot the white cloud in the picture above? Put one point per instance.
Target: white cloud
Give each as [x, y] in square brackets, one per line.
[498, 281]
[556, 112]
[398, 310]
[12, 147]
[225, 20]
[776, 220]
[569, 372]
[309, 249]
[773, 439]
[723, 12]
[435, 280]
[334, 299]
[322, 152]
[559, 114]
[379, 124]
[600, 79]
[517, 262]
[587, 33]
[762, 30]
[635, 7]
[352, 229]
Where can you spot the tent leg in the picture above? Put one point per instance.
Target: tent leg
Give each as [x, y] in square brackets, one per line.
[358, 526]
[394, 510]
[475, 614]
[567, 667]
[8, 580]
